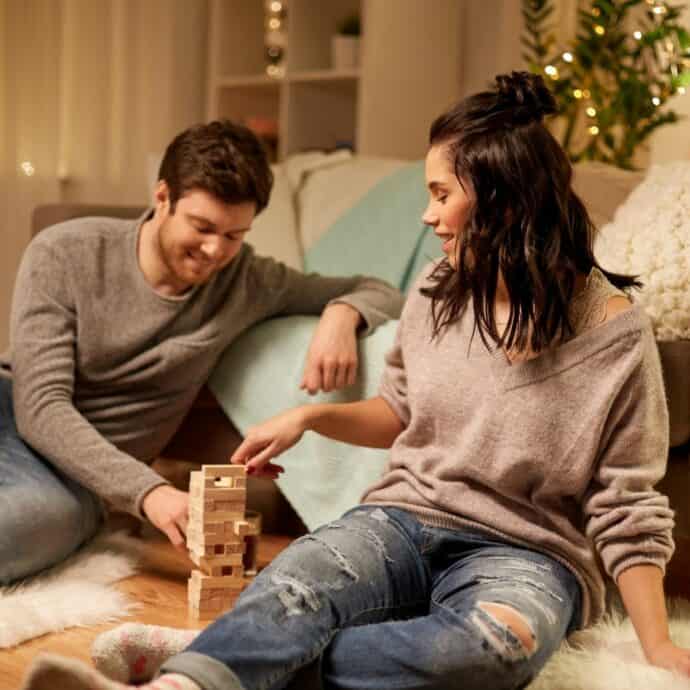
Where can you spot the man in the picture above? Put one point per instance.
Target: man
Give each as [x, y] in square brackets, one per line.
[117, 324]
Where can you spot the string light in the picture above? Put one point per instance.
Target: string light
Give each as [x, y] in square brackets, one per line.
[599, 29]
[577, 93]
[591, 111]
[568, 57]
[681, 90]
[27, 168]
[593, 130]
[637, 35]
[276, 6]
[656, 100]
[274, 23]
[586, 93]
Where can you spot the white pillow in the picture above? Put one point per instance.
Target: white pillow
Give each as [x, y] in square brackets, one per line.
[650, 237]
[326, 193]
[274, 232]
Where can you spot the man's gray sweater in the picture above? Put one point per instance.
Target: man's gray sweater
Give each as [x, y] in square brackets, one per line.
[104, 368]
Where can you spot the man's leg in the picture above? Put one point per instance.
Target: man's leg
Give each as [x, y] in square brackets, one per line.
[361, 569]
[44, 516]
[497, 614]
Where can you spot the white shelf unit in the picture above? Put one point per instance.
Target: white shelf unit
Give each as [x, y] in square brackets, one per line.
[314, 106]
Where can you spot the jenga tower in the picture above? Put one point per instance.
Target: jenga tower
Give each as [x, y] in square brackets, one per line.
[218, 530]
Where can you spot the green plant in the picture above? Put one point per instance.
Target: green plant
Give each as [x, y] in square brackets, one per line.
[350, 25]
[611, 84]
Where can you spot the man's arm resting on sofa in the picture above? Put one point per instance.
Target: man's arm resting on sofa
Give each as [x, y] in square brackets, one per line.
[371, 423]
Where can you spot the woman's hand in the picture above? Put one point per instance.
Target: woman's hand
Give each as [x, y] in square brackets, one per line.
[168, 509]
[332, 357]
[670, 656]
[268, 440]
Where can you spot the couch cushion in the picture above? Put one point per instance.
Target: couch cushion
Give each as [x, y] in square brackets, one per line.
[603, 188]
[330, 186]
[274, 232]
[382, 235]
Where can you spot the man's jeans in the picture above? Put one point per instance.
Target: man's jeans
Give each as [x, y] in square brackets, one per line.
[376, 600]
[44, 515]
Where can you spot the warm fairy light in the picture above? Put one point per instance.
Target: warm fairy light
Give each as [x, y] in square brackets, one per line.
[550, 70]
[656, 100]
[591, 111]
[276, 6]
[568, 57]
[577, 93]
[593, 130]
[681, 90]
[27, 168]
[659, 9]
[599, 30]
[586, 93]
[274, 23]
[596, 11]
[637, 35]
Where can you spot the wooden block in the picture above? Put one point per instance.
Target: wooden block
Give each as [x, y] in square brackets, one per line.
[216, 516]
[210, 582]
[232, 495]
[223, 470]
[219, 562]
[242, 528]
[253, 517]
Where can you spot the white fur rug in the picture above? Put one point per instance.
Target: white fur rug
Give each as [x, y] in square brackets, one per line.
[74, 593]
[609, 657]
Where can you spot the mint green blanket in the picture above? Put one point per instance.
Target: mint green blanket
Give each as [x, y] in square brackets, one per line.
[259, 374]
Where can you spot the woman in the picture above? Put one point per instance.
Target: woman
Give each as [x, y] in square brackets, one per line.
[524, 407]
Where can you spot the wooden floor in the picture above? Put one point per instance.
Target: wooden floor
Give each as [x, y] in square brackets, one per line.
[161, 590]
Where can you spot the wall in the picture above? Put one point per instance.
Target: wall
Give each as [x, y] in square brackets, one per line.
[87, 91]
[408, 80]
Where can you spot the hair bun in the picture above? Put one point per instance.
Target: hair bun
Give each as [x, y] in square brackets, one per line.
[527, 95]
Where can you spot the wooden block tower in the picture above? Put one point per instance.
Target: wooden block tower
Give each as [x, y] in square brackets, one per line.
[221, 538]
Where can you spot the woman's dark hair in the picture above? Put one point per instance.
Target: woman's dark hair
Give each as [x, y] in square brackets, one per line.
[526, 223]
[222, 158]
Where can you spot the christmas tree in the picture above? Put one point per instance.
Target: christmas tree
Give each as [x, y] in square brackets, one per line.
[612, 83]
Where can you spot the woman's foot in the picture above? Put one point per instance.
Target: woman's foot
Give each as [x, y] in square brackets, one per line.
[133, 652]
[53, 672]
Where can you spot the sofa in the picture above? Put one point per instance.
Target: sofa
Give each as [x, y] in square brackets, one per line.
[338, 214]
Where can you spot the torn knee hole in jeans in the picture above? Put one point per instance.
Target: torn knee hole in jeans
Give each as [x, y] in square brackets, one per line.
[505, 630]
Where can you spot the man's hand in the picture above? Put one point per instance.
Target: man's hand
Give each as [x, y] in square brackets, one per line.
[268, 440]
[168, 510]
[332, 357]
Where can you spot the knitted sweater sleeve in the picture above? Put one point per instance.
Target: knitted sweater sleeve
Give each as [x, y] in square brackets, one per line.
[628, 521]
[285, 291]
[43, 341]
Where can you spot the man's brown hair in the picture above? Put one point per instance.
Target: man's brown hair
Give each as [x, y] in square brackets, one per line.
[223, 158]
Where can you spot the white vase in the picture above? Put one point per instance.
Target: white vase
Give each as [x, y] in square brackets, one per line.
[345, 52]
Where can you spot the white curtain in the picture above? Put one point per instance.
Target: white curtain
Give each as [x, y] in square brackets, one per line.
[88, 89]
